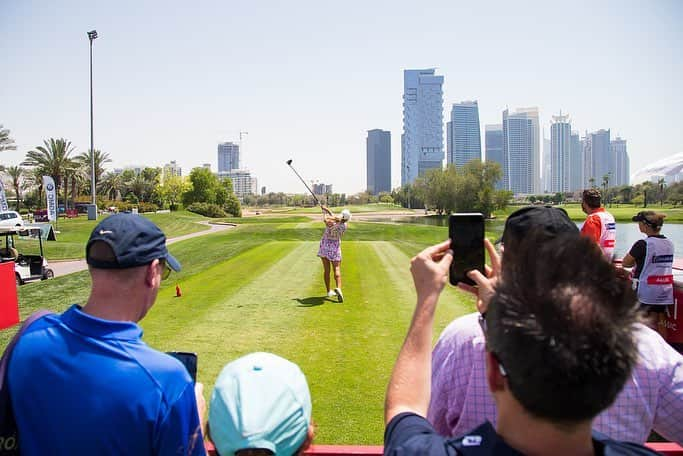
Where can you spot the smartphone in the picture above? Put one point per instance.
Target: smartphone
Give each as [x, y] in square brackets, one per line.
[466, 231]
[189, 360]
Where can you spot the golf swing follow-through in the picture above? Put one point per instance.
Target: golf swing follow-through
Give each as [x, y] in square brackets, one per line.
[330, 244]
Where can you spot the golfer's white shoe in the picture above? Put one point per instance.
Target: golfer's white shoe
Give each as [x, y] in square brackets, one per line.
[340, 296]
[331, 294]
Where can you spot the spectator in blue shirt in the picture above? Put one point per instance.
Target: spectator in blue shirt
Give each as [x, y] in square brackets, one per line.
[84, 382]
[560, 345]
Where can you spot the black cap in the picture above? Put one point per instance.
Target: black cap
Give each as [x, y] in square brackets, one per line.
[135, 241]
[551, 220]
[642, 216]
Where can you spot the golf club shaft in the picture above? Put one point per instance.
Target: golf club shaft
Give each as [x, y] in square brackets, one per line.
[304, 182]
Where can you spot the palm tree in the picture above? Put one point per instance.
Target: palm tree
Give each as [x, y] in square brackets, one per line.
[52, 159]
[85, 159]
[113, 186]
[17, 175]
[6, 143]
[661, 183]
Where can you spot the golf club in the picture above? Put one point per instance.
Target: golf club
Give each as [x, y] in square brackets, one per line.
[289, 163]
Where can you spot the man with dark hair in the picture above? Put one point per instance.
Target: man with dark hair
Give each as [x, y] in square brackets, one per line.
[84, 382]
[599, 225]
[652, 397]
[560, 347]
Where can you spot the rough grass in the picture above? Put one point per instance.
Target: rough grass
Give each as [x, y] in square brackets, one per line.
[258, 287]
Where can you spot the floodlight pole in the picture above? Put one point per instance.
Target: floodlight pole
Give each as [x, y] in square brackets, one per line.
[92, 35]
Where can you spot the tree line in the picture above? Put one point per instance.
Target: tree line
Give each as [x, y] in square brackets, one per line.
[147, 188]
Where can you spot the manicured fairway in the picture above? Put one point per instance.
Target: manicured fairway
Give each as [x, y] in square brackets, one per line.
[259, 287]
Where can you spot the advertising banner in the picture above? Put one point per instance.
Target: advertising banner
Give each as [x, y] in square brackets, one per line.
[3, 199]
[51, 195]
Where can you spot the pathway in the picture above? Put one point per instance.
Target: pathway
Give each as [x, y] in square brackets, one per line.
[61, 268]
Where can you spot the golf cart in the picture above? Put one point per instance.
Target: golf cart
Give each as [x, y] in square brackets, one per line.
[26, 267]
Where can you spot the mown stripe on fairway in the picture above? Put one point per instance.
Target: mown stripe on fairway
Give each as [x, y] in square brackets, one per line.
[239, 306]
[349, 349]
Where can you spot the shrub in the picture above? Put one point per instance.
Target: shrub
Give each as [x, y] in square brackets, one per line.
[207, 210]
[232, 206]
[147, 207]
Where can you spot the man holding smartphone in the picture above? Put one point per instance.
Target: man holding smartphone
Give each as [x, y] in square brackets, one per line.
[559, 349]
[84, 382]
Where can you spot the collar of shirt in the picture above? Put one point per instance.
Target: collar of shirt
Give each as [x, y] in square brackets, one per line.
[86, 324]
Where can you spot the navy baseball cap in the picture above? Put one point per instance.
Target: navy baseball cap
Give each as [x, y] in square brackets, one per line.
[551, 220]
[135, 241]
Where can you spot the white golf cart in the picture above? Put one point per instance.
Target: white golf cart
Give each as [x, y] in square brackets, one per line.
[27, 267]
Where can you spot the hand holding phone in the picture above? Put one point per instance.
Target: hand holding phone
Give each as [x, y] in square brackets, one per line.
[466, 231]
[189, 360]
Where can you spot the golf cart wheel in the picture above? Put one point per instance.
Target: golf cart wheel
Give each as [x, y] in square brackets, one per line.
[19, 281]
[48, 274]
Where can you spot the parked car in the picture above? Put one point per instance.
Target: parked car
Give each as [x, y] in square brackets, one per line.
[10, 219]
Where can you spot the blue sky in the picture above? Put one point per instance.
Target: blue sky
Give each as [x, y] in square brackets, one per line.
[307, 79]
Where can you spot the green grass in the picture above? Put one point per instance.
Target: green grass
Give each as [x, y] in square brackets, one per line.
[258, 287]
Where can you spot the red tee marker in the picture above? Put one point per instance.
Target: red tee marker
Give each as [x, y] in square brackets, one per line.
[178, 293]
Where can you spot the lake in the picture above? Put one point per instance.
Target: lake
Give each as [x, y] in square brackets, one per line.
[627, 232]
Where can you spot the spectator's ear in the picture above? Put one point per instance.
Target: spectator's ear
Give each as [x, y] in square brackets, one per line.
[494, 374]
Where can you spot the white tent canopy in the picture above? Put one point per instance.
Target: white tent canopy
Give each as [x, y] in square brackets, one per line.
[669, 166]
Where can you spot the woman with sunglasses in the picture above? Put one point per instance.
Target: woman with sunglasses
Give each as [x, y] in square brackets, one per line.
[652, 275]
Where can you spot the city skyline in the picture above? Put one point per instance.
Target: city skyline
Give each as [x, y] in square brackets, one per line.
[172, 82]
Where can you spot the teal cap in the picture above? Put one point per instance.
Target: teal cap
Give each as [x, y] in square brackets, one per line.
[260, 401]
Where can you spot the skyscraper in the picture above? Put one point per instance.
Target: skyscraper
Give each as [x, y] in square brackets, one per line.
[532, 113]
[463, 134]
[622, 169]
[521, 151]
[228, 156]
[422, 138]
[378, 153]
[575, 163]
[494, 149]
[546, 165]
[598, 159]
[560, 153]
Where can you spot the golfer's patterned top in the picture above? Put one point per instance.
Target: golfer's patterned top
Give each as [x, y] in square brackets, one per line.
[330, 244]
[652, 397]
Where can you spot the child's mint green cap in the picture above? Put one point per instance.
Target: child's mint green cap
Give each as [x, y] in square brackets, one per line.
[260, 401]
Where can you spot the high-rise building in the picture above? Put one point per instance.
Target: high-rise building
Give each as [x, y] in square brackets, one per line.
[598, 161]
[422, 138]
[546, 165]
[463, 143]
[493, 141]
[378, 154]
[532, 113]
[622, 168]
[171, 169]
[560, 153]
[575, 163]
[243, 183]
[207, 166]
[228, 157]
[521, 151]
[322, 189]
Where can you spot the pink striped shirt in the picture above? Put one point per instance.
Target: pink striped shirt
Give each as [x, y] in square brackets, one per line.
[651, 399]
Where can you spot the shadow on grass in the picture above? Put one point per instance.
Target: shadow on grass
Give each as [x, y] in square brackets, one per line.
[312, 301]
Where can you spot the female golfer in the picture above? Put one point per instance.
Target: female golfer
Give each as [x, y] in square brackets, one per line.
[330, 249]
[652, 276]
